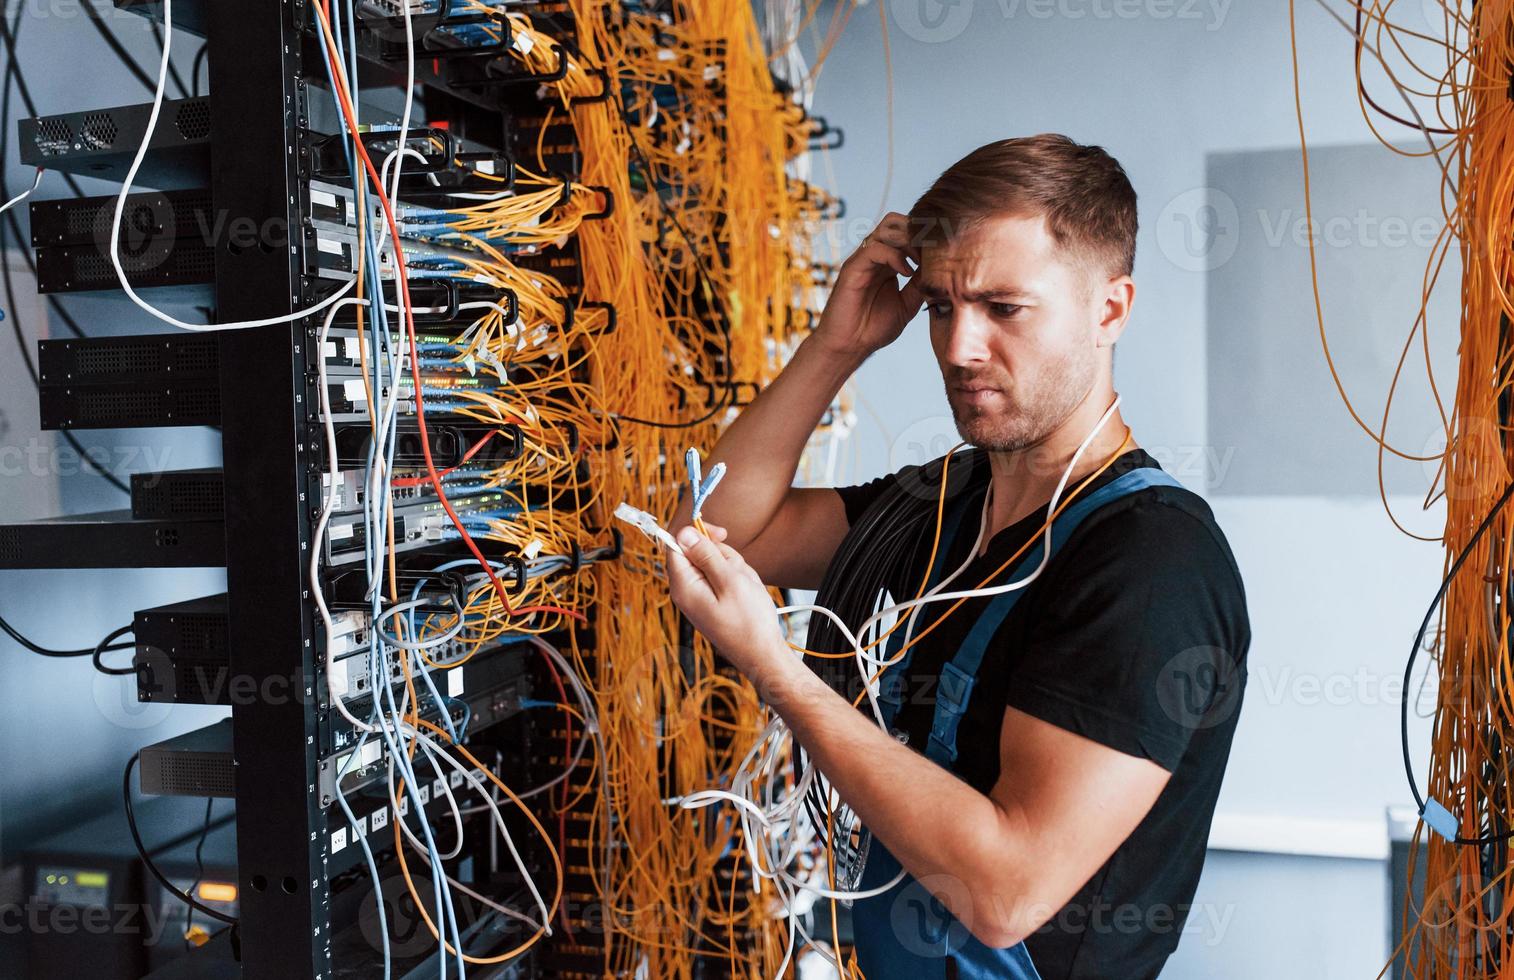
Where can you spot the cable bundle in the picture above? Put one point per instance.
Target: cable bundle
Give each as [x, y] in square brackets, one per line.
[1461, 927]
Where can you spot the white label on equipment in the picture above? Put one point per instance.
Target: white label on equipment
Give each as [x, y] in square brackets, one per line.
[360, 826]
[369, 754]
[340, 532]
[455, 682]
[439, 788]
[323, 198]
[353, 391]
[329, 245]
[425, 794]
[380, 819]
[404, 806]
[338, 840]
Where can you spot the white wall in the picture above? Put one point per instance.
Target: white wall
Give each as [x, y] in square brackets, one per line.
[1335, 592]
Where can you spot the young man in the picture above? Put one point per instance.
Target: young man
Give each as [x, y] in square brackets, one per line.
[1053, 797]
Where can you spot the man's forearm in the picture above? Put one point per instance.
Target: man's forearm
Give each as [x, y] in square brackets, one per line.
[763, 446]
[940, 826]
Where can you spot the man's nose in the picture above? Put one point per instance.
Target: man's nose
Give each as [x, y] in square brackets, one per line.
[966, 339]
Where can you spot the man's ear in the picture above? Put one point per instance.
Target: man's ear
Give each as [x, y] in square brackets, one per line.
[1113, 298]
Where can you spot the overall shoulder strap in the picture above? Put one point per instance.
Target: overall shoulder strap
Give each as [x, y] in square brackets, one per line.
[954, 691]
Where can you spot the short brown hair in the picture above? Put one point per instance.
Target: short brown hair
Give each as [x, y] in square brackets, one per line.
[1082, 191]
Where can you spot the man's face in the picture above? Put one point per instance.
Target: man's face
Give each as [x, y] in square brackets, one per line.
[1014, 324]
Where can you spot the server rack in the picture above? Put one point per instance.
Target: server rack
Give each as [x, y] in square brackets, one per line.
[261, 163]
[257, 168]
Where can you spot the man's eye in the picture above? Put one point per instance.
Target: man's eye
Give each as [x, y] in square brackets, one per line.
[938, 309]
[1004, 309]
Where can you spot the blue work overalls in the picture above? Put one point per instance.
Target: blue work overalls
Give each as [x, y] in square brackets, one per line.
[906, 933]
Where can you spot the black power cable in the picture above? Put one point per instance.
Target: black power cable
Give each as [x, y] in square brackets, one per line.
[189, 917]
[107, 644]
[147, 862]
[895, 532]
[104, 646]
[1419, 639]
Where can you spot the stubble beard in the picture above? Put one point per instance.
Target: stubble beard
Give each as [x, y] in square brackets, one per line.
[1032, 411]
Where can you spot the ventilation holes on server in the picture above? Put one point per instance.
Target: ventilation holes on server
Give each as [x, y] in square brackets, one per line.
[99, 131]
[197, 354]
[91, 268]
[197, 496]
[194, 261]
[150, 500]
[142, 358]
[106, 406]
[201, 684]
[81, 221]
[53, 136]
[192, 773]
[193, 120]
[199, 403]
[201, 634]
[10, 545]
[166, 537]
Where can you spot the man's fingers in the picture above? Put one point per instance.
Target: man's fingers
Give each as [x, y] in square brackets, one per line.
[704, 555]
[684, 579]
[881, 253]
[892, 233]
[730, 554]
[911, 297]
[717, 532]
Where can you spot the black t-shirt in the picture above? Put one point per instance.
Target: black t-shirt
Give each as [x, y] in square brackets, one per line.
[1135, 636]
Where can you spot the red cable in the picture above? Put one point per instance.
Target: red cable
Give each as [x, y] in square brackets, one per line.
[415, 481]
[403, 282]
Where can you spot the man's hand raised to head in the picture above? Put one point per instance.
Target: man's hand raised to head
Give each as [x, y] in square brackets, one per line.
[867, 309]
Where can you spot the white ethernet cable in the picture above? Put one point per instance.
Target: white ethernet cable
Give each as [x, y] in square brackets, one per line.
[131, 176]
[24, 194]
[646, 524]
[768, 817]
[141, 154]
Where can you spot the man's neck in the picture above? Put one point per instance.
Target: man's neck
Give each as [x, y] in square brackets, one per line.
[1024, 480]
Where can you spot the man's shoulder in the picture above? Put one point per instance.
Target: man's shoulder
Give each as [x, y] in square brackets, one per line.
[919, 484]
